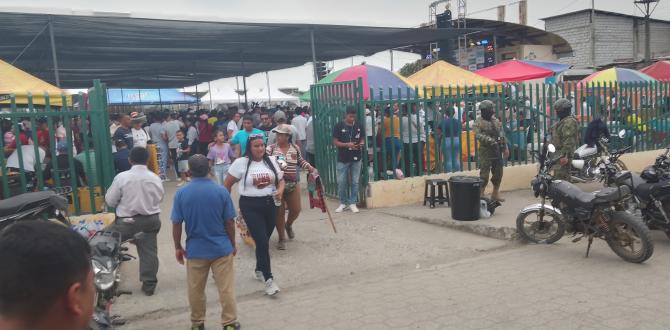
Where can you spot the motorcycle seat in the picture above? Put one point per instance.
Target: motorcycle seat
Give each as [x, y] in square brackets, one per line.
[585, 151]
[610, 194]
[24, 202]
[572, 192]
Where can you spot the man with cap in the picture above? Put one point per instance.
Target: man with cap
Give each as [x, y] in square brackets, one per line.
[280, 118]
[492, 148]
[565, 137]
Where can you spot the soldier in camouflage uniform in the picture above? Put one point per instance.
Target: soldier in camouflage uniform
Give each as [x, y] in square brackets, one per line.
[565, 137]
[489, 134]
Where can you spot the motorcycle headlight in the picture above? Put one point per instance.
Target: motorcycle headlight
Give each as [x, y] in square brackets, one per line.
[104, 278]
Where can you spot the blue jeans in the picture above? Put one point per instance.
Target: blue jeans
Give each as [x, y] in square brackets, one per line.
[164, 154]
[220, 172]
[452, 152]
[348, 175]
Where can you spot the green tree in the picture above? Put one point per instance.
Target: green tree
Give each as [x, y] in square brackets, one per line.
[411, 68]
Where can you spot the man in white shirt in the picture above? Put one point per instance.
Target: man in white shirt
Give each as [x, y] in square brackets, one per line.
[136, 194]
[300, 122]
[171, 128]
[413, 137]
[29, 159]
[280, 118]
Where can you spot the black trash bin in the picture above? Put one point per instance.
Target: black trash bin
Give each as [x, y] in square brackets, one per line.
[464, 196]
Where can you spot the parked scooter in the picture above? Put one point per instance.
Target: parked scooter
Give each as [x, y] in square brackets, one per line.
[592, 215]
[48, 204]
[108, 252]
[586, 160]
[651, 191]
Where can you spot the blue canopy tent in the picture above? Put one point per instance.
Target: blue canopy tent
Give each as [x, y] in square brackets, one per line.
[556, 67]
[123, 96]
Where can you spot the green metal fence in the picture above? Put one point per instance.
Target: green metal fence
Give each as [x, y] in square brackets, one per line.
[35, 166]
[429, 144]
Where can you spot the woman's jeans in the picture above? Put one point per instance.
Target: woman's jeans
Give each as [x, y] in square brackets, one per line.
[220, 172]
[452, 153]
[348, 175]
[163, 156]
[260, 214]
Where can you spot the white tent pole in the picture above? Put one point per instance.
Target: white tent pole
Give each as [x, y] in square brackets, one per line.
[209, 90]
[267, 80]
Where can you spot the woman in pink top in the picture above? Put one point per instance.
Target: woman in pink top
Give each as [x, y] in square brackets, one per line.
[220, 157]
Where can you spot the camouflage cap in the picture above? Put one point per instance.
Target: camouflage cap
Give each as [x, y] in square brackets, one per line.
[562, 104]
[486, 105]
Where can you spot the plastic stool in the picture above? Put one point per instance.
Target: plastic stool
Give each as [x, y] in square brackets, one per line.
[442, 192]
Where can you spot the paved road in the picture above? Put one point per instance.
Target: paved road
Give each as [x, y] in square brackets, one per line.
[383, 272]
[523, 287]
[367, 242]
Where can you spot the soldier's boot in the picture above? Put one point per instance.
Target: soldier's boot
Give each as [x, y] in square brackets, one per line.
[496, 194]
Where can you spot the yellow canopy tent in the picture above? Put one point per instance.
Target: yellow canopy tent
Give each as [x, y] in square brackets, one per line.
[447, 75]
[18, 82]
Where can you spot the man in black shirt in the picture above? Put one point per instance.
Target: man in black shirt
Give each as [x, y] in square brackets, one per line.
[266, 124]
[348, 138]
[123, 132]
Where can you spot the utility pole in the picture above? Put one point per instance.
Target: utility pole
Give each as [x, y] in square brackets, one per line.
[593, 34]
[645, 7]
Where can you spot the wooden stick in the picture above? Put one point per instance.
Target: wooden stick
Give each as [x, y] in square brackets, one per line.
[330, 217]
[325, 204]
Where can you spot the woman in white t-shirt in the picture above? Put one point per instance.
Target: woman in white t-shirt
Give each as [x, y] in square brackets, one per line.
[140, 136]
[260, 185]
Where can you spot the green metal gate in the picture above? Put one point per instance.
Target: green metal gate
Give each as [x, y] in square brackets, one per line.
[86, 124]
[329, 104]
[525, 110]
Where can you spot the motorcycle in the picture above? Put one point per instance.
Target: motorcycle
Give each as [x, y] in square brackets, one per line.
[48, 204]
[651, 191]
[586, 160]
[599, 214]
[108, 252]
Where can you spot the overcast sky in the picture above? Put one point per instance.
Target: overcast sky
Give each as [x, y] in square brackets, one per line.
[400, 13]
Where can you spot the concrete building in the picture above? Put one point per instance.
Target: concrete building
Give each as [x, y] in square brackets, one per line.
[619, 38]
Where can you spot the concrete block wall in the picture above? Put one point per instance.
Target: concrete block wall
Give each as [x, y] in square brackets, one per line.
[409, 191]
[660, 38]
[617, 38]
[575, 29]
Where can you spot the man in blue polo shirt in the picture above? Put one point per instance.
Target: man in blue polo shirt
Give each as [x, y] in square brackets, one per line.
[208, 213]
[242, 136]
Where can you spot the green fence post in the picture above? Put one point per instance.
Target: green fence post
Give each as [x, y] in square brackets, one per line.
[19, 145]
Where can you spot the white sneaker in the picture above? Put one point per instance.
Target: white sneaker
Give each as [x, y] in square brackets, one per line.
[181, 183]
[353, 208]
[259, 275]
[341, 208]
[271, 288]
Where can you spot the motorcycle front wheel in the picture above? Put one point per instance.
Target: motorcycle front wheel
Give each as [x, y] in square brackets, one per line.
[629, 238]
[548, 231]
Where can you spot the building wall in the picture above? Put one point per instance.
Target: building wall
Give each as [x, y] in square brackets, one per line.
[614, 39]
[660, 39]
[617, 38]
[575, 29]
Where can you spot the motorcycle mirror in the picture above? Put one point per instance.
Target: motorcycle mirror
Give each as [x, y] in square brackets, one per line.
[622, 133]
[551, 148]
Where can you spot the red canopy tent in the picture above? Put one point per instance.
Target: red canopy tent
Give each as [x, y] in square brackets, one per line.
[514, 70]
[659, 70]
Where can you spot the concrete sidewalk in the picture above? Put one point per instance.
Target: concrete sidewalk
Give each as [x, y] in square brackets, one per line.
[501, 225]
